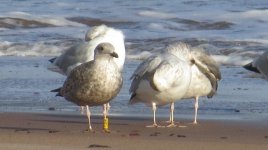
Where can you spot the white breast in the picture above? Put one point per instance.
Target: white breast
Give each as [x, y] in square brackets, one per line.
[199, 85]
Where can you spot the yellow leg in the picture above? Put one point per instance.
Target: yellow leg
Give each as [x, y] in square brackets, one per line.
[105, 118]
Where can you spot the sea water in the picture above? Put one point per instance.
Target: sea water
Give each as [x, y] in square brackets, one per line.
[233, 32]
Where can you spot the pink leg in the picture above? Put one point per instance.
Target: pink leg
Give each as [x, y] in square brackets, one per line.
[88, 116]
[154, 112]
[171, 115]
[196, 109]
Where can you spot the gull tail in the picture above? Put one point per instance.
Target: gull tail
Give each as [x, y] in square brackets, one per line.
[250, 67]
[52, 59]
[132, 99]
[58, 91]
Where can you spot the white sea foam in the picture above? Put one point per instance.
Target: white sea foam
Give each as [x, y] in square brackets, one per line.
[157, 14]
[260, 15]
[231, 60]
[58, 21]
[25, 49]
[17, 14]
[141, 56]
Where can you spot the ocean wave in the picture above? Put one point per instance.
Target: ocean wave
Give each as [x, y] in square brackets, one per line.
[254, 14]
[141, 56]
[245, 16]
[32, 49]
[95, 21]
[203, 25]
[14, 20]
[231, 53]
[12, 23]
[156, 14]
[231, 60]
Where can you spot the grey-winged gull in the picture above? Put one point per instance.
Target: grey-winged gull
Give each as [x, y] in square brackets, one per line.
[94, 83]
[162, 79]
[205, 76]
[84, 52]
[259, 65]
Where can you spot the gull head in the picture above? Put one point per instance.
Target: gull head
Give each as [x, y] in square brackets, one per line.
[105, 49]
[95, 32]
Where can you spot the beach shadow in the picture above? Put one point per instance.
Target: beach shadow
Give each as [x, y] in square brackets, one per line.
[155, 134]
[181, 136]
[98, 146]
[27, 130]
[134, 133]
[224, 137]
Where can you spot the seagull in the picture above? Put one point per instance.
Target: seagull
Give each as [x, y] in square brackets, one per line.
[162, 79]
[205, 77]
[95, 82]
[84, 52]
[259, 65]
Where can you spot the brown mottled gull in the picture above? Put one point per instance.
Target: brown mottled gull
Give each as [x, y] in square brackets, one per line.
[94, 83]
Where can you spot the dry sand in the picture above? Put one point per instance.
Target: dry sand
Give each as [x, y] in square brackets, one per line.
[29, 131]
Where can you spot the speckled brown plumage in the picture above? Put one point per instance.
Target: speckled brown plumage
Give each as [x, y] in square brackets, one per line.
[93, 83]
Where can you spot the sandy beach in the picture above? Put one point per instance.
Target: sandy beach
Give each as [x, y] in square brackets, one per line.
[33, 32]
[26, 131]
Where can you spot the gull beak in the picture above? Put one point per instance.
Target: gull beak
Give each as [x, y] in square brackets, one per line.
[114, 55]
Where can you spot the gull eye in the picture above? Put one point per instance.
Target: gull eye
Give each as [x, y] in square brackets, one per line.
[101, 48]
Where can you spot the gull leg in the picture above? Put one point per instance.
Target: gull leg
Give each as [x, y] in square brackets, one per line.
[104, 111]
[108, 107]
[88, 116]
[105, 118]
[154, 111]
[82, 110]
[196, 109]
[171, 115]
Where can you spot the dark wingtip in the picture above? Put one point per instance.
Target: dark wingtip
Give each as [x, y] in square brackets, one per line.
[58, 94]
[131, 98]
[251, 68]
[52, 59]
[58, 91]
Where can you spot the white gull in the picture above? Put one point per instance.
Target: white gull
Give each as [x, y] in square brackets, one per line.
[162, 79]
[259, 65]
[205, 76]
[84, 52]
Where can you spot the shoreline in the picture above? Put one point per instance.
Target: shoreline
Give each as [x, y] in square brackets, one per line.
[52, 131]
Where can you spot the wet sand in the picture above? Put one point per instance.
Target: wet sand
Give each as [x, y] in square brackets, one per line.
[31, 131]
